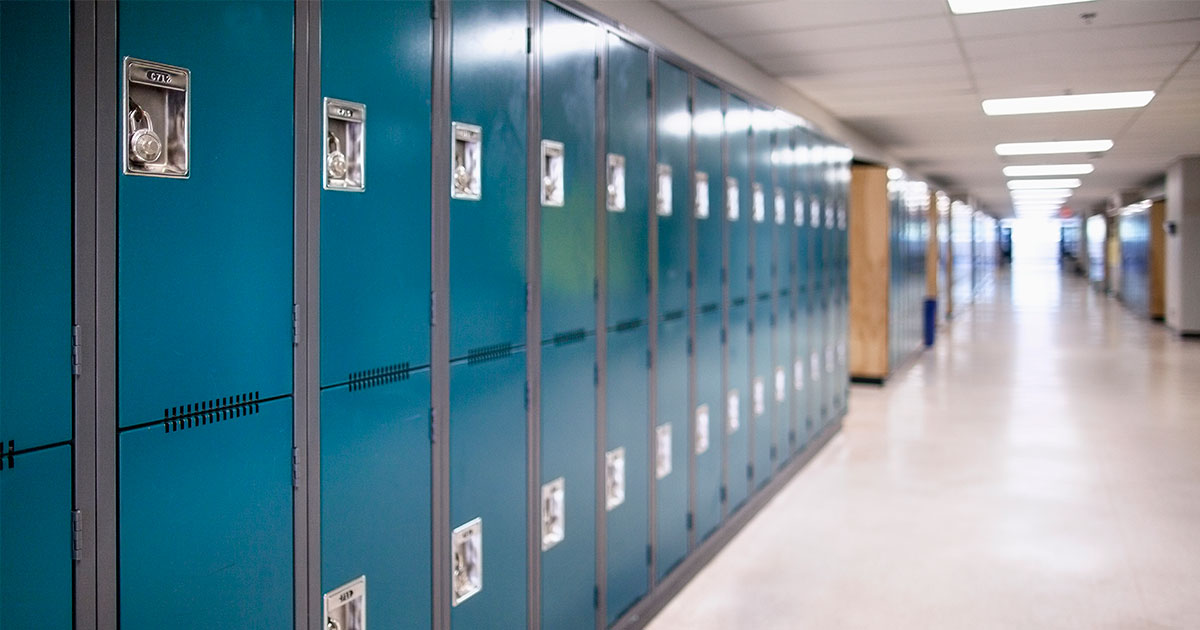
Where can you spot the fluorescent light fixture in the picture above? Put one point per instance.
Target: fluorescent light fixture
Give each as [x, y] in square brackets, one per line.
[1043, 148]
[1043, 170]
[1066, 103]
[960, 7]
[895, 173]
[1044, 193]
[1026, 184]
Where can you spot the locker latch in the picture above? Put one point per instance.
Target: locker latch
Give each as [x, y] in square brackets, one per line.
[467, 562]
[701, 201]
[554, 514]
[614, 478]
[466, 163]
[345, 145]
[346, 606]
[701, 421]
[662, 442]
[663, 194]
[156, 119]
[553, 183]
[615, 183]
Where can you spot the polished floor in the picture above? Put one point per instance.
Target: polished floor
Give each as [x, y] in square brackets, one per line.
[1040, 468]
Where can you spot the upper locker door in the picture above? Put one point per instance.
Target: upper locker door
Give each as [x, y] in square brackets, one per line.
[627, 221]
[487, 258]
[568, 276]
[783, 243]
[673, 133]
[762, 211]
[375, 94]
[204, 321]
[738, 199]
[35, 323]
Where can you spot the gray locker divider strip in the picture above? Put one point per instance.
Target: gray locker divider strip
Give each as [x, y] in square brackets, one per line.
[440, 316]
[83, 43]
[644, 610]
[533, 313]
[106, 315]
[751, 303]
[691, 318]
[306, 435]
[726, 229]
[652, 317]
[601, 330]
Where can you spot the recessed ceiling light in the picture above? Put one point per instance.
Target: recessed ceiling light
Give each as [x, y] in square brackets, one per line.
[1042, 170]
[1025, 184]
[1038, 198]
[960, 7]
[1065, 103]
[1063, 146]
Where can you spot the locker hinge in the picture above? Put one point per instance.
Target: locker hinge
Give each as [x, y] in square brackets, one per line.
[724, 493]
[649, 88]
[649, 555]
[722, 335]
[689, 279]
[596, 374]
[76, 351]
[76, 535]
[12, 449]
[649, 360]
[724, 279]
[691, 104]
[432, 425]
[595, 289]
[433, 10]
[526, 395]
[597, 60]
[433, 308]
[691, 521]
[595, 597]
[750, 471]
[528, 40]
[750, 326]
[295, 468]
[295, 324]
[689, 346]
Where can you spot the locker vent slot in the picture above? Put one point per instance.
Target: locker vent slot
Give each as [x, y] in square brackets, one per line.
[739, 301]
[671, 316]
[379, 376]
[570, 337]
[489, 353]
[710, 308]
[628, 324]
[199, 414]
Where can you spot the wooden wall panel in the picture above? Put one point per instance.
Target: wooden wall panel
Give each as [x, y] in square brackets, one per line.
[869, 272]
[1158, 260]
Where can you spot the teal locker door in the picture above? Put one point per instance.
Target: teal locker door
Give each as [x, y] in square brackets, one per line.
[205, 531]
[35, 539]
[813, 334]
[628, 400]
[205, 263]
[708, 420]
[488, 90]
[375, 494]
[710, 209]
[762, 217]
[784, 244]
[628, 130]
[762, 382]
[375, 279]
[671, 445]
[628, 376]
[671, 435]
[35, 221]
[569, 225]
[568, 387]
[738, 421]
[487, 481]
[568, 447]
[737, 188]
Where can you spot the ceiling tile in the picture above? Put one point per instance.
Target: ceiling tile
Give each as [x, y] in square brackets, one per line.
[787, 15]
[921, 30]
[1064, 19]
[864, 59]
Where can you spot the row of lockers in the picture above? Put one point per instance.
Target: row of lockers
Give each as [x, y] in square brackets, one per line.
[572, 338]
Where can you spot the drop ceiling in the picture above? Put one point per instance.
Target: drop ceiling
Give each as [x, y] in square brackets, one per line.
[910, 75]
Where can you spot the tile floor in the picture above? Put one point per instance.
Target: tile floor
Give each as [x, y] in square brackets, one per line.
[1039, 468]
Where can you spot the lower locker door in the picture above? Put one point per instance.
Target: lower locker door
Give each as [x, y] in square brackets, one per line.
[737, 410]
[799, 382]
[761, 394]
[627, 432]
[780, 389]
[375, 497]
[487, 482]
[35, 540]
[707, 419]
[205, 522]
[813, 344]
[569, 485]
[671, 446]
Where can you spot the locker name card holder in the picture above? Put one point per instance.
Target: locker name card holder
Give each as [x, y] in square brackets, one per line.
[466, 162]
[466, 547]
[780, 207]
[732, 409]
[346, 606]
[157, 115]
[345, 146]
[553, 183]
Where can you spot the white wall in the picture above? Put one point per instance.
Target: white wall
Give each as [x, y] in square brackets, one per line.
[1183, 247]
[662, 27]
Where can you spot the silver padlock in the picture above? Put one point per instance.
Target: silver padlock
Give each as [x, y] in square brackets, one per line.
[336, 163]
[144, 145]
